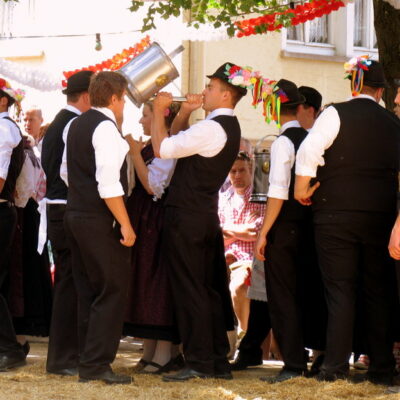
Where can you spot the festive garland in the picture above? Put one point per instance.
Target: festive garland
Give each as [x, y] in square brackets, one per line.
[114, 63]
[354, 70]
[44, 81]
[263, 90]
[297, 15]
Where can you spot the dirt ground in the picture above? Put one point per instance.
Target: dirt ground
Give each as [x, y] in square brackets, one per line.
[32, 383]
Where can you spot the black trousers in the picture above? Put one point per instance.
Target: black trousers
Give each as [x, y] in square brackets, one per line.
[101, 267]
[8, 220]
[290, 259]
[193, 246]
[63, 339]
[258, 329]
[353, 257]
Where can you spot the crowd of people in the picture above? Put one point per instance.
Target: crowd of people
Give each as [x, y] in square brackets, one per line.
[160, 239]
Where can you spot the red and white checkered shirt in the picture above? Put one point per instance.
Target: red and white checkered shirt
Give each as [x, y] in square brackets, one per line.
[237, 210]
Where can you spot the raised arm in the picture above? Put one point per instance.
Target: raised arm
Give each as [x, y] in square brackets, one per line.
[159, 130]
[181, 121]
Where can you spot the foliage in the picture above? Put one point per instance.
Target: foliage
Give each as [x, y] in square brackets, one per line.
[217, 12]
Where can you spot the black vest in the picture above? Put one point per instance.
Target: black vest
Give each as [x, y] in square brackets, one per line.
[292, 210]
[83, 194]
[51, 157]
[361, 166]
[14, 169]
[197, 179]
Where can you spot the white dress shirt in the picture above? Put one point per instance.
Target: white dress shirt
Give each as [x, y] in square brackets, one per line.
[9, 139]
[160, 174]
[110, 151]
[206, 138]
[325, 130]
[282, 160]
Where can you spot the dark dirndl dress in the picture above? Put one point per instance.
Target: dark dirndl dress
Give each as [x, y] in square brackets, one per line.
[149, 310]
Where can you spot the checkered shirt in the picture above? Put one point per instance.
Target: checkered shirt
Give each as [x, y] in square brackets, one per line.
[230, 215]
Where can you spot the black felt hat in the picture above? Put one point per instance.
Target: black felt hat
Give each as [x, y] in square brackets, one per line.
[375, 77]
[313, 97]
[292, 93]
[222, 73]
[78, 82]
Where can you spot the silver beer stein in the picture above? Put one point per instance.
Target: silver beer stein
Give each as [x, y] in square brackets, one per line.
[149, 72]
[262, 159]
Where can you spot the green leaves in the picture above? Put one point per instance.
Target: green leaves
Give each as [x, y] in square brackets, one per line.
[217, 12]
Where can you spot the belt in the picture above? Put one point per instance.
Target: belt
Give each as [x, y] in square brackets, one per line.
[6, 204]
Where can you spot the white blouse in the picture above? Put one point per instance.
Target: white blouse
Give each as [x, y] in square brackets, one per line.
[160, 174]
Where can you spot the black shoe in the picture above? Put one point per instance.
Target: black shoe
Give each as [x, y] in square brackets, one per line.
[240, 364]
[316, 366]
[284, 375]
[12, 361]
[226, 375]
[330, 377]
[184, 375]
[26, 348]
[64, 372]
[385, 379]
[108, 377]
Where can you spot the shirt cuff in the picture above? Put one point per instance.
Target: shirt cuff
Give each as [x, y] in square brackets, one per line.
[304, 170]
[113, 190]
[278, 192]
[3, 173]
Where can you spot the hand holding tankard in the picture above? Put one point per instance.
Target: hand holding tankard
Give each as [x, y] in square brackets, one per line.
[192, 103]
[162, 101]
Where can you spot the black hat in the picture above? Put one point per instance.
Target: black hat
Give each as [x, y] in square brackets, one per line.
[223, 74]
[313, 97]
[291, 92]
[78, 82]
[375, 77]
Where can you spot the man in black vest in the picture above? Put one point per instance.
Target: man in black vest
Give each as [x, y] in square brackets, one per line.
[11, 161]
[98, 226]
[285, 240]
[355, 147]
[62, 356]
[192, 236]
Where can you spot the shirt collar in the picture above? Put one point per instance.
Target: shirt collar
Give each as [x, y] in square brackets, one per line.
[220, 111]
[4, 114]
[73, 109]
[361, 96]
[106, 111]
[290, 124]
[247, 193]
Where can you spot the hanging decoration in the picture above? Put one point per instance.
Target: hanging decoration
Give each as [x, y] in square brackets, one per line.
[46, 82]
[354, 70]
[114, 63]
[297, 15]
[263, 90]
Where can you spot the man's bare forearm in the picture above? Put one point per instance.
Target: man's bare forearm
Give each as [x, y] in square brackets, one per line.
[181, 122]
[158, 131]
[272, 211]
[2, 182]
[117, 207]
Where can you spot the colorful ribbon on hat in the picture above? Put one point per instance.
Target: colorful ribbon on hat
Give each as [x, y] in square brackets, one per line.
[354, 70]
[263, 90]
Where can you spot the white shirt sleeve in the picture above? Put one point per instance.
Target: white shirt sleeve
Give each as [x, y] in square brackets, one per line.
[9, 139]
[160, 174]
[320, 138]
[282, 160]
[206, 138]
[63, 166]
[110, 151]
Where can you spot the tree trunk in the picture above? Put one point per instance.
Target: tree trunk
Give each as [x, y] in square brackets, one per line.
[387, 27]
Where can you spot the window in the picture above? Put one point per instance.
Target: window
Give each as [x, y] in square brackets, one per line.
[316, 31]
[364, 32]
[339, 35]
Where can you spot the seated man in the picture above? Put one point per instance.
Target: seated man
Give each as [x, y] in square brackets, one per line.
[240, 222]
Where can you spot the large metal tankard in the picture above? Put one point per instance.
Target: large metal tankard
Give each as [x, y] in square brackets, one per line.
[149, 72]
[262, 159]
